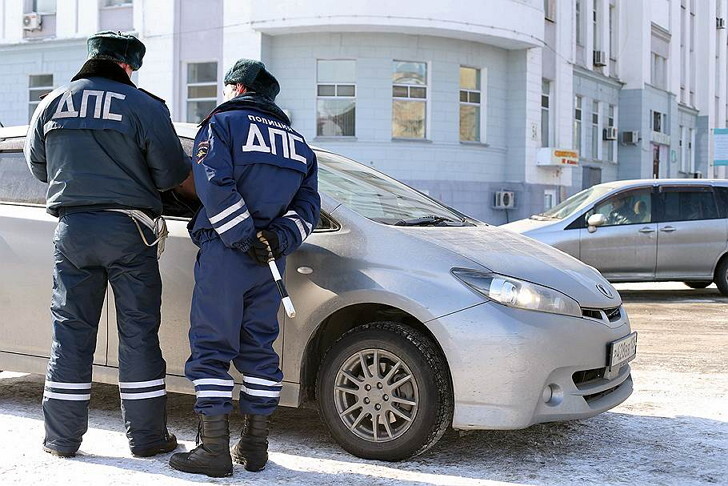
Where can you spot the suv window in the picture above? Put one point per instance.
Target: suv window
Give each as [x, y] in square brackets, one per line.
[17, 184]
[631, 207]
[688, 204]
[721, 194]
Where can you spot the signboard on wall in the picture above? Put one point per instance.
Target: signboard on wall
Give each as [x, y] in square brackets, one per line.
[555, 157]
[720, 146]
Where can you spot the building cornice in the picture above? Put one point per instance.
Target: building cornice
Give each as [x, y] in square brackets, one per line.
[598, 77]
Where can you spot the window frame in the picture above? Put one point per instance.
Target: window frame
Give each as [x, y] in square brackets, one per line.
[578, 128]
[426, 100]
[482, 73]
[336, 96]
[548, 131]
[32, 103]
[187, 85]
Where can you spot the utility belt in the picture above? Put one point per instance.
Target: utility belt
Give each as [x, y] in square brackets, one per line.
[157, 225]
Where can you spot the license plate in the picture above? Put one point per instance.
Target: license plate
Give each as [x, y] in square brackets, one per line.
[622, 350]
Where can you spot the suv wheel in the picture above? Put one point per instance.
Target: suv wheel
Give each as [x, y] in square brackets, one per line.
[697, 285]
[721, 276]
[384, 391]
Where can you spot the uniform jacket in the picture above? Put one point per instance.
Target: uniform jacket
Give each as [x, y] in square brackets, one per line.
[99, 142]
[253, 171]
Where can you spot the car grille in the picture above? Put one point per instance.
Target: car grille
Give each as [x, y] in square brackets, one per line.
[602, 394]
[583, 377]
[611, 314]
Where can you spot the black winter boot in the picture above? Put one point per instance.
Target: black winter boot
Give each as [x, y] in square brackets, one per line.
[211, 456]
[252, 448]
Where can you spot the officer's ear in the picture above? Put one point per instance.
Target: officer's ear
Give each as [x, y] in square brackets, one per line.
[127, 68]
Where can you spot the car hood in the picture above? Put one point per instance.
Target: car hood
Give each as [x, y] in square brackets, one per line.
[517, 256]
[526, 225]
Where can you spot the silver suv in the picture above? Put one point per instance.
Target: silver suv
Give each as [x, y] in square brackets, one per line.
[410, 316]
[643, 230]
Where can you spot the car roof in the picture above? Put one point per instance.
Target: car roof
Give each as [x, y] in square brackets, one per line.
[634, 183]
[13, 132]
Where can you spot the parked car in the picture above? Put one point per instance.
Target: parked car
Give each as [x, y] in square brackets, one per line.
[411, 317]
[643, 230]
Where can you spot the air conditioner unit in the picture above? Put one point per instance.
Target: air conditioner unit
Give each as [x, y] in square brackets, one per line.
[32, 21]
[696, 175]
[504, 200]
[720, 23]
[631, 138]
[600, 58]
[610, 133]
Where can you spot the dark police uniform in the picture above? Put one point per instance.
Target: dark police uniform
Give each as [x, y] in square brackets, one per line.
[252, 171]
[100, 143]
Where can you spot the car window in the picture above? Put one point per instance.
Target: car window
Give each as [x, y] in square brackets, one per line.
[631, 207]
[688, 204]
[721, 195]
[172, 203]
[574, 203]
[374, 195]
[17, 184]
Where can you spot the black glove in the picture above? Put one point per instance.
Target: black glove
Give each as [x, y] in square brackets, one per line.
[265, 247]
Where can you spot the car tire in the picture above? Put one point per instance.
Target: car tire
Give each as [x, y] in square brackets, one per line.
[697, 285]
[412, 390]
[721, 276]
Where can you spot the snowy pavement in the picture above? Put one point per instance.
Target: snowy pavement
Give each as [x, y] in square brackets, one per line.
[673, 430]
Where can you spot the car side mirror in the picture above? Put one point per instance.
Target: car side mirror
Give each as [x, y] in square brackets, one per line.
[594, 221]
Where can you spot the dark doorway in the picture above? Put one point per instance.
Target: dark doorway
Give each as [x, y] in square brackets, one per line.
[590, 176]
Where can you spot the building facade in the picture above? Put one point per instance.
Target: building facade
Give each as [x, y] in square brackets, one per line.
[499, 116]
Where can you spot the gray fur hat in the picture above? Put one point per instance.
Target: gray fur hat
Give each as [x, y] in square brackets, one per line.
[115, 46]
[253, 75]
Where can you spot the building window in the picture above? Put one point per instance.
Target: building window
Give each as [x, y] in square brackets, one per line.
[659, 121]
[613, 40]
[469, 104]
[44, 6]
[683, 149]
[38, 85]
[409, 99]
[116, 3]
[612, 144]
[336, 98]
[595, 25]
[577, 123]
[595, 131]
[691, 151]
[577, 17]
[659, 71]
[201, 90]
[545, 113]
[549, 9]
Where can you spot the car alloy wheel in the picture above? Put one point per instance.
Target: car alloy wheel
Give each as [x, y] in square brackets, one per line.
[376, 395]
[384, 391]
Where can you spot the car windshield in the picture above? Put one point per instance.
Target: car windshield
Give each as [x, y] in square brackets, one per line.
[574, 203]
[378, 197]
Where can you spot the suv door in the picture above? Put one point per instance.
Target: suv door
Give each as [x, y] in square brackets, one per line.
[691, 235]
[625, 248]
[26, 253]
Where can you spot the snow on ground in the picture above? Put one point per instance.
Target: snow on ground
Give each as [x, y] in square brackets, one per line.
[673, 430]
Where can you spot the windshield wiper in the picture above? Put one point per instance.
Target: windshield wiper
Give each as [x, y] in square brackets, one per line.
[425, 221]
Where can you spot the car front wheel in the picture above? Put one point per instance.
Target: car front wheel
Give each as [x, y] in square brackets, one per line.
[384, 391]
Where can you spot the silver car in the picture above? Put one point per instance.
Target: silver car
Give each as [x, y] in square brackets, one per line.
[410, 316]
[643, 230]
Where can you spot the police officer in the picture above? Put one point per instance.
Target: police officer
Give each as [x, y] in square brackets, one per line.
[106, 150]
[254, 175]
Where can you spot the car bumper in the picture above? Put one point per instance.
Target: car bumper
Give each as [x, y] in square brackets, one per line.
[513, 368]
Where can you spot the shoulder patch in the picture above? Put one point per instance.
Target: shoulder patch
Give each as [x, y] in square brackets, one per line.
[202, 149]
[152, 95]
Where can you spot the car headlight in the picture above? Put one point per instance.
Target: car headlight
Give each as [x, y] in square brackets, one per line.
[517, 293]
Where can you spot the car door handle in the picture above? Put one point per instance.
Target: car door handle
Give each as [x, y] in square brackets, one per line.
[647, 230]
[668, 229]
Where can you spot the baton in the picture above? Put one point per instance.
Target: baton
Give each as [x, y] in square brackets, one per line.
[287, 303]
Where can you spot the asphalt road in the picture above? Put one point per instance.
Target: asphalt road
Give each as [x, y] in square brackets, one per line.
[673, 430]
